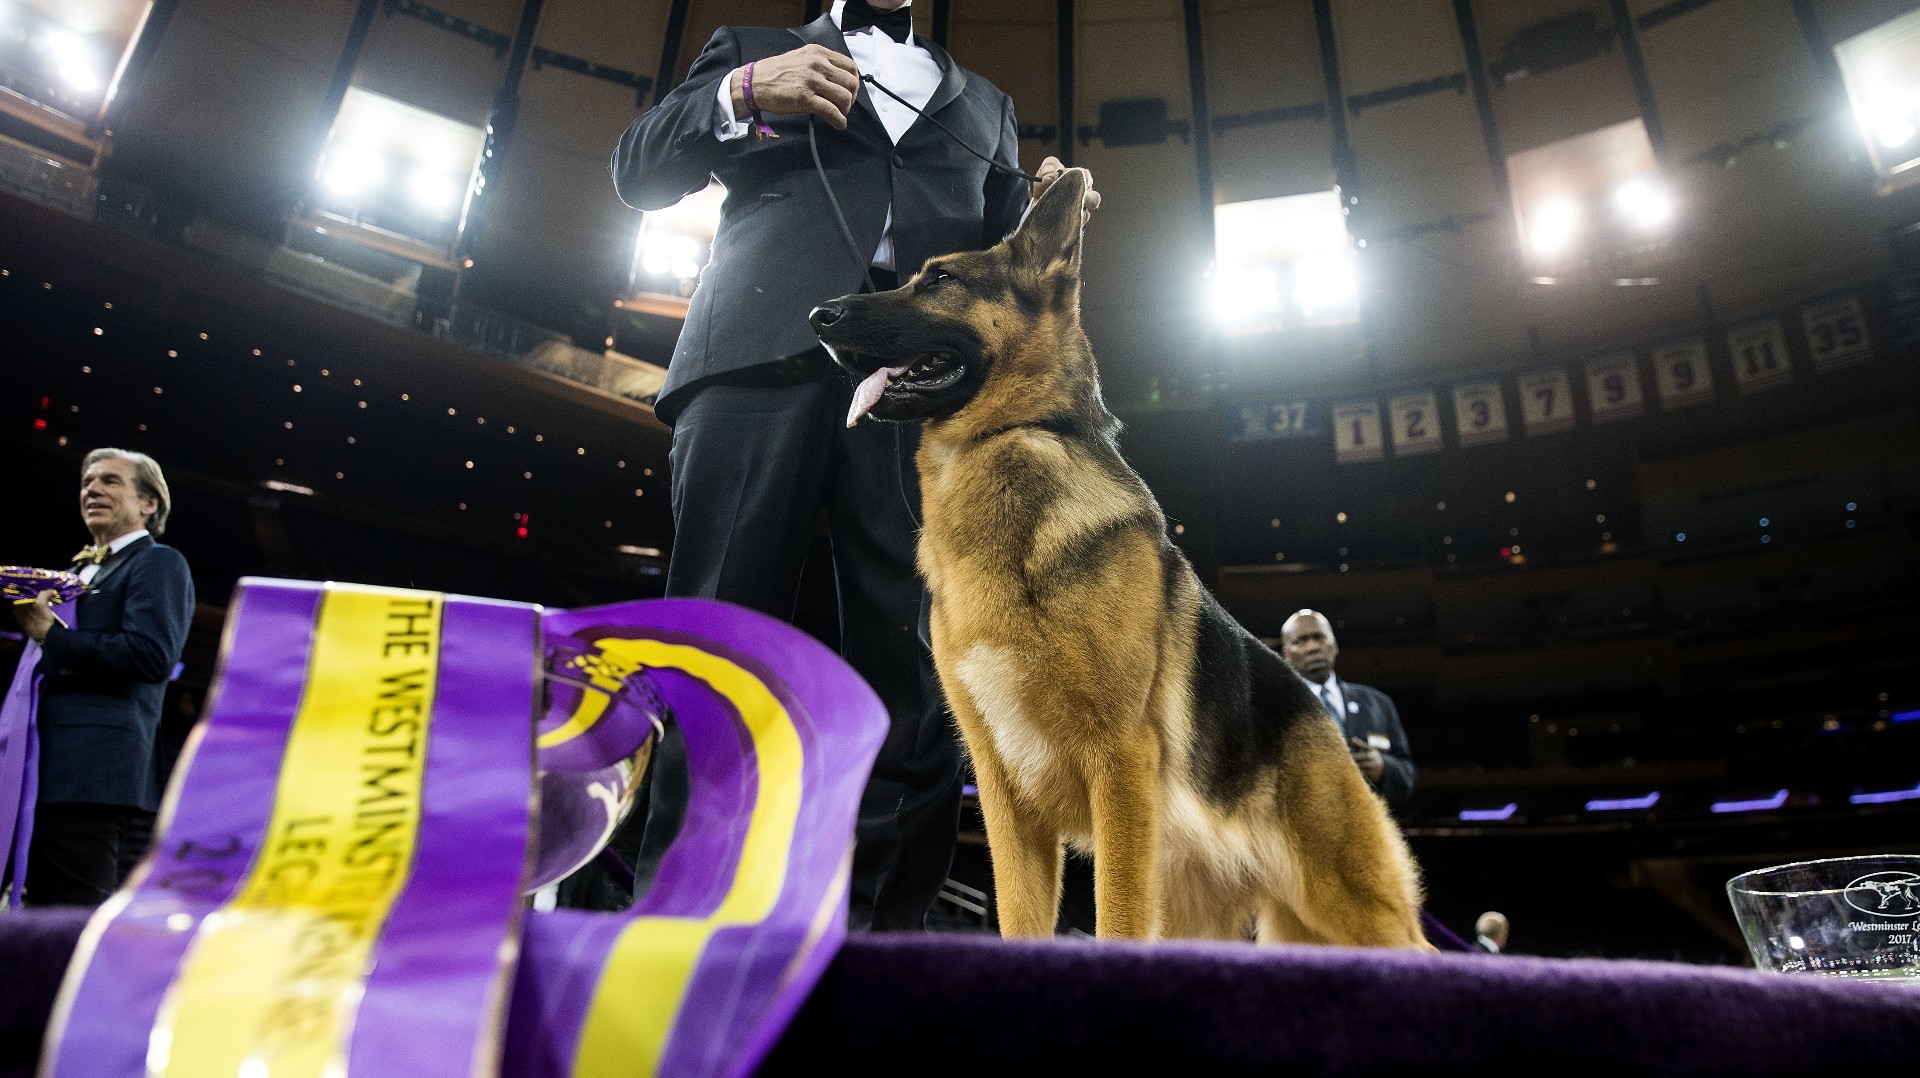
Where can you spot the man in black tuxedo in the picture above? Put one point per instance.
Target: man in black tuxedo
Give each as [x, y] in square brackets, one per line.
[1366, 716]
[760, 445]
[103, 681]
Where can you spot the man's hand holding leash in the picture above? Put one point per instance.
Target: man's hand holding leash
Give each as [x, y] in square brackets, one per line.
[810, 80]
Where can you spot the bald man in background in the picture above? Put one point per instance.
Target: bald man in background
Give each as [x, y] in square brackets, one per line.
[1366, 716]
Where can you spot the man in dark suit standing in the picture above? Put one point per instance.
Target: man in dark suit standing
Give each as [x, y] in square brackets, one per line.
[1366, 716]
[760, 445]
[103, 681]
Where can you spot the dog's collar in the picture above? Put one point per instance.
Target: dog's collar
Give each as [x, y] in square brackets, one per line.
[1064, 426]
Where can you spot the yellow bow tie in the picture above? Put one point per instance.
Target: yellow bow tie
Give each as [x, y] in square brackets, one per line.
[94, 554]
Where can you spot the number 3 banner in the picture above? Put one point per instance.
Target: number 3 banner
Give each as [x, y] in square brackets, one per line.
[1416, 423]
[1546, 400]
[1836, 332]
[1680, 370]
[1613, 388]
[1480, 412]
[1356, 432]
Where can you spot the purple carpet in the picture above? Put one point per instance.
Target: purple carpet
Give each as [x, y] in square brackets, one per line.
[909, 1005]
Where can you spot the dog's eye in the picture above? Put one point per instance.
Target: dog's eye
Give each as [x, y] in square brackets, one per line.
[939, 278]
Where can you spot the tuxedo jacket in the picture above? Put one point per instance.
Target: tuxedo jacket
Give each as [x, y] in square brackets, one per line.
[104, 679]
[1370, 712]
[779, 251]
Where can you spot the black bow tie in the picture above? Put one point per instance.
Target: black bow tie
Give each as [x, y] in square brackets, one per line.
[858, 15]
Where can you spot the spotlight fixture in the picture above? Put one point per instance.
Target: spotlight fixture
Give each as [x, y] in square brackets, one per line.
[1646, 205]
[1554, 223]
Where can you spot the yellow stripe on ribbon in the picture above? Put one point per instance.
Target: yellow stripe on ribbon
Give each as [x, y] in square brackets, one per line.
[272, 983]
[645, 980]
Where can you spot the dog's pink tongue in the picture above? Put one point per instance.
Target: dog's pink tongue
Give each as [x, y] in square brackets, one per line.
[867, 394]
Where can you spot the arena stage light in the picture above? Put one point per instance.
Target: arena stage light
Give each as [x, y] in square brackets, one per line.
[352, 170]
[1646, 205]
[1554, 224]
[1243, 293]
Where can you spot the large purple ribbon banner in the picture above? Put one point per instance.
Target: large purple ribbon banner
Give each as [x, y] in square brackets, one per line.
[336, 887]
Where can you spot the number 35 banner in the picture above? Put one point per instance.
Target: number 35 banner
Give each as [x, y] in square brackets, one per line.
[1836, 332]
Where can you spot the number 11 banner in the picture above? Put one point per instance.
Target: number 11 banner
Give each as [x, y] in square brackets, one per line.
[1613, 388]
[1758, 350]
[1546, 400]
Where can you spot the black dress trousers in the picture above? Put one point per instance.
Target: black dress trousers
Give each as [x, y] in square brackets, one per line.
[753, 466]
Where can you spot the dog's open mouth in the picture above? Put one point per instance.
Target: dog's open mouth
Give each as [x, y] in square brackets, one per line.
[924, 373]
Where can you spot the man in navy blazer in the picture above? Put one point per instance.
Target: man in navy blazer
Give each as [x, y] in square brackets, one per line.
[1366, 716]
[102, 683]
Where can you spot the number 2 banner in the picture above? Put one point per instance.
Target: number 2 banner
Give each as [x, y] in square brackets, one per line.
[1546, 400]
[1613, 388]
[1480, 411]
[1416, 423]
[1356, 432]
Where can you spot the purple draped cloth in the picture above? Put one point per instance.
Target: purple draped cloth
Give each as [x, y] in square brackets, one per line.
[19, 769]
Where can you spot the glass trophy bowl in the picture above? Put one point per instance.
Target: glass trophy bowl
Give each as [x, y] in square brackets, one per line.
[1853, 917]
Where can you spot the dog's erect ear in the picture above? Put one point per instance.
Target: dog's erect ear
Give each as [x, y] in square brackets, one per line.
[1051, 233]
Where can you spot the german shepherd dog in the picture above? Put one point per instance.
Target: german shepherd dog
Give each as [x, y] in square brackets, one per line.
[1107, 700]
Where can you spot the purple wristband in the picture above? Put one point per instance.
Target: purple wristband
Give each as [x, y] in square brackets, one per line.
[760, 126]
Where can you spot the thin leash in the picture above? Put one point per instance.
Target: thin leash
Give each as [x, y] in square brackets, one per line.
[853, 248]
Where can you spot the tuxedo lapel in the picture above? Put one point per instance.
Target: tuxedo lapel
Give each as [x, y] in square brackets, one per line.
[824, 33]
[953, 78]
[117, 559]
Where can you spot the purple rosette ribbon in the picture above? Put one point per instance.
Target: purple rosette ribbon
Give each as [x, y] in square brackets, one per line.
[23, 584]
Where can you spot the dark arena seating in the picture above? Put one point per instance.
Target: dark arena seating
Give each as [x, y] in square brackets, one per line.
[1565, 356]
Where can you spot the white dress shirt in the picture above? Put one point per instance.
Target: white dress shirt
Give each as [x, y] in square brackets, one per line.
[1330, 689]
[905, 68]
[92, 568]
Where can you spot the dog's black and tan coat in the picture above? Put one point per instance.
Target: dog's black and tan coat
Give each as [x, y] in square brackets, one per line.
[1107, 700]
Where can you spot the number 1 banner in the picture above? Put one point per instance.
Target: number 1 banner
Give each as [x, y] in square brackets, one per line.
[1480, 412]
[1546, 400]
[1613, 388]
[1836, 333]
[1681, 372]
[1759, 353]
[1416, 423]
[1356, 432]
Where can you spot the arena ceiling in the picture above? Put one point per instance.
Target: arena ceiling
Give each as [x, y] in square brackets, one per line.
[1430, 116]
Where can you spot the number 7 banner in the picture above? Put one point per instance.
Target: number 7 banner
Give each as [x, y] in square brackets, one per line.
[1546, 400]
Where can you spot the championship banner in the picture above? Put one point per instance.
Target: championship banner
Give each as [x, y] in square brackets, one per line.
[1681, 373]
[1479, 411]
[353, 910]
[1416, 423]
[1836, 332]
[1356, 432]
[701, 976]
[1546, 400]
[1758, 350]
[1613, 388]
